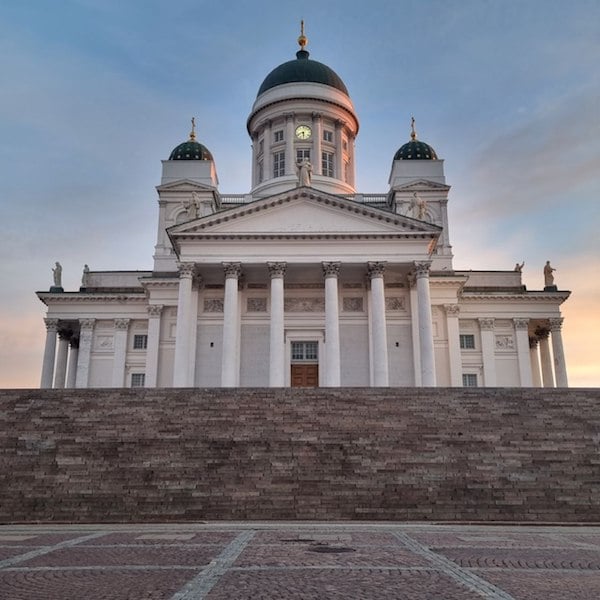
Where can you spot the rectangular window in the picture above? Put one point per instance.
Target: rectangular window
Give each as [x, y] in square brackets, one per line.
[278, 136]
[305, 351]
[278, 164]
[327, 164]
[467, 341]
[138, 380]
[469, 380]
[328, 136]
[302, 154]
[140, 342]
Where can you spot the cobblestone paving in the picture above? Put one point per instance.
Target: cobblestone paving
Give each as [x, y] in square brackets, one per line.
[299, 561]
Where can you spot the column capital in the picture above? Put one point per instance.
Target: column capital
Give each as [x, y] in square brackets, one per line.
[154, 310]
[375, 269]
[186, 269]
[232, 270]
[422, 269]
[555, 323]
[276, 269]
[87, 324]
[51, 324]
[452, 310]
[486, 324]
[331, 269]
[317, 116]
[521, 323]
[122, 324]
[289, 116]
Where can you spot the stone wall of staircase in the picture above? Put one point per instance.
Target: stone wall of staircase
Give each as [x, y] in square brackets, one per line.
[337, 454]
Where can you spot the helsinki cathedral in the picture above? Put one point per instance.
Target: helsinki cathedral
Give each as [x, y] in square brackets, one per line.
[304, 280]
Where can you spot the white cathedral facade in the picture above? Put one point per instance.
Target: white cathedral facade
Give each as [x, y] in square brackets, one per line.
[303, 281]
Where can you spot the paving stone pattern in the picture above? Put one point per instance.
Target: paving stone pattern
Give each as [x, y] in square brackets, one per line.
[156, 455]
[275, 561]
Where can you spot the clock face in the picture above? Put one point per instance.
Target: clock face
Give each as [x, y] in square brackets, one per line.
[303, 132]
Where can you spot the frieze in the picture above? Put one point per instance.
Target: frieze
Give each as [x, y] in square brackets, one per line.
[256, 304]
[303, 286]
[505, 342]
[304, 305]
[353, 286]
[395, 284]
[394, 303]
[104, 343]
[213, 305]
[350, 304]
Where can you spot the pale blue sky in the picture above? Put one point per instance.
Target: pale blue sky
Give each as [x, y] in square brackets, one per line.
[96, 92]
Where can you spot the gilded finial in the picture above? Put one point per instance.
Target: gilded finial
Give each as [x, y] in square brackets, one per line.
[413, 133]
[193, 131]
[302, 40]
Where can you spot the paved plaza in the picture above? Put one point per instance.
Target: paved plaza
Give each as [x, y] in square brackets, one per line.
[308, 561]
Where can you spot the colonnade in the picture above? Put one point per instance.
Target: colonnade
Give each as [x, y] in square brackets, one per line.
[548, 365]
[230, 360]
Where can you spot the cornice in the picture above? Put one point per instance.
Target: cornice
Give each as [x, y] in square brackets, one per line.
[526, 297]
[76, 298]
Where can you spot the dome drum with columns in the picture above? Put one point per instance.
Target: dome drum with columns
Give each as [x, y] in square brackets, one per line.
[303, 281]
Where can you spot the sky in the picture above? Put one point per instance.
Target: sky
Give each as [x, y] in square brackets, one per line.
[95, 93]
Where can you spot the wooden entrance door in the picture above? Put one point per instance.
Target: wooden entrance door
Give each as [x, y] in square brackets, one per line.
[305, 375]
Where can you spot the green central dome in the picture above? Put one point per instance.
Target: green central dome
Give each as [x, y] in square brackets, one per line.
[415, 150]
[302, 70]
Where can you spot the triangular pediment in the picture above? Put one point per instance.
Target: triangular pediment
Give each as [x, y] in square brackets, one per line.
[185, 185]
[304, 211]
[420, 185]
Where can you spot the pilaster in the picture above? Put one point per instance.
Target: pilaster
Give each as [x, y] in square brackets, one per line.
[488, 351]
[86, 335]
[454, 356]
[522, 337]
[152, 349]
[120, 352]
[181, 369]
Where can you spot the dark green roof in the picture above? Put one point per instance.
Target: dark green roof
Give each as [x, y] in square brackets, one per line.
[302, 70]
[191, 150]
[416, 150]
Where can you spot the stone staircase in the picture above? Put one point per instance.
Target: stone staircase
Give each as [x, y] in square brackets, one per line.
[121, 455]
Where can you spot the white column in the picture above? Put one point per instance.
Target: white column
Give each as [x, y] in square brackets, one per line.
[86, 334]
[414, 322]
[119, 352]
[267, 158]
[560, 367]
[522, 335]
[154, 311]
[375, 272]
[60, 375]
[545, 358]
[339, 153]
[231, 326]
[183, 328]
[425, 324]
[534, 358]
[290, 159]
[276, 339]
[317, 139]
[49, 353]
[454, 356]
[332, 378]
[488, 351]
[73, 356]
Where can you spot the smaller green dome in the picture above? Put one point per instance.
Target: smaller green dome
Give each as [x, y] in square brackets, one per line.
[191, 150]
[415, 150]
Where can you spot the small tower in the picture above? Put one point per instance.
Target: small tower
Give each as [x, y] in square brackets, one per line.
[418, 190]
[188, 190]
